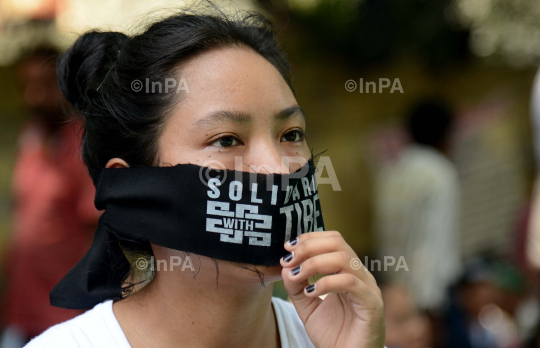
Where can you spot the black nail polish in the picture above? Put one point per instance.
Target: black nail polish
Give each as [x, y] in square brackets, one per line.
[296, 270]
[310, 288]
[294, 241]
[288, 257]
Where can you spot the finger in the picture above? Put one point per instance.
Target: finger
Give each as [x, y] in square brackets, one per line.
[307, 247]
[358, 291]
[327, 243]
[311, 235]
[328, 263]
[305, 305]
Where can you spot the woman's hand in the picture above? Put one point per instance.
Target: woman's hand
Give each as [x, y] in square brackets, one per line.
[352, 314]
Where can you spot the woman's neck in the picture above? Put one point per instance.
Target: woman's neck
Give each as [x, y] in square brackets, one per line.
[181, 309]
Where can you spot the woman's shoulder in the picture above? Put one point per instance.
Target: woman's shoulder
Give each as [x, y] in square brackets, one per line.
[291, 329]
[63, 335]
[96, 327]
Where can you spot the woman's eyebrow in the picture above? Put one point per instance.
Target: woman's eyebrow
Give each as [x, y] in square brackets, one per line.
[286, 113]
[243, 118]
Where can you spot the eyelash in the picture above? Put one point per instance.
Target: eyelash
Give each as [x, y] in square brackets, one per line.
[302, 137]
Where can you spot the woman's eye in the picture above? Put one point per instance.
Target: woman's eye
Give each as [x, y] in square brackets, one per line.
[226, 141]
[296, 135]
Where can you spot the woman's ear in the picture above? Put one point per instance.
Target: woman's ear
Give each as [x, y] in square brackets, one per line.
[116, 163]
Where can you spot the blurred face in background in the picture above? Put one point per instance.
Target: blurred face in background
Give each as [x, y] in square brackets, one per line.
[41, 94]
[478, 295]
[405, 326]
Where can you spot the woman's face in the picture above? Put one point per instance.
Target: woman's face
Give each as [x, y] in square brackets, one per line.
[238, 105]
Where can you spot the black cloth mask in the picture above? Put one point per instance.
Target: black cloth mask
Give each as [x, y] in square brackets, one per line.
[224, 214]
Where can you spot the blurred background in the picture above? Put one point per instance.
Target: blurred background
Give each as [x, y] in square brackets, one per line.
[425, 109]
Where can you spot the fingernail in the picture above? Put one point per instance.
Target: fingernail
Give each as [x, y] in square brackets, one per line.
[310, 288]
[293, 242]
[296, 270]
[288, 257]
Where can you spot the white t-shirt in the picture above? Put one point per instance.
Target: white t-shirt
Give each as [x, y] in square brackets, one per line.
[99, 328]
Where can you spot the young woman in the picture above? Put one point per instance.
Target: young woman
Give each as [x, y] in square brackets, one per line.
[235, 100]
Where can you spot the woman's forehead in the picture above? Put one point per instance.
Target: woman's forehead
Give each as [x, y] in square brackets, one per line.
[234, 79]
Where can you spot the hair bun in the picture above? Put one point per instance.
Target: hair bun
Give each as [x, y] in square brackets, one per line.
[85, 64]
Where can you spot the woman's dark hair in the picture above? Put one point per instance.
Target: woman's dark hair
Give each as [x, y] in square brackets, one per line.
[104, 77]
[430, 121]
[100, 75]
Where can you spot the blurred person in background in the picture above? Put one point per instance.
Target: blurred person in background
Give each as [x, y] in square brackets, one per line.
[53, 215]
[417, 209]
[406, 327]
[532, 244]
[485, 305]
